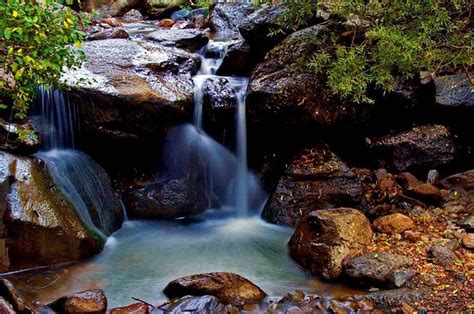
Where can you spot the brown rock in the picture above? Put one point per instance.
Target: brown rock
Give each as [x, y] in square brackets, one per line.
[315, 179]
[5, 307]
[412, 236]
[394, 223]
[229, 288]
[136, 308]
[441, 255]
[324, 238]
[108, 34]
[416, 188]
[167, 23]
[14, 297]
[468, 240]
[89, 301]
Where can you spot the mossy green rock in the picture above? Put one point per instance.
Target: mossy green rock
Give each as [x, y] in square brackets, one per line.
[159, 7]
[39, 226]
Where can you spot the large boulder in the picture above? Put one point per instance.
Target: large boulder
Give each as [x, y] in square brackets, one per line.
[157, 8]
[219, 101]
[239, 59]
[379, 269]
[188, 39]
[229, 288]
[285, 90]
[39, 226]
[426, 147]
[165, 199]
[227, 17]
[324, 238]
[257, 27]
[315, 179]
[109, 7]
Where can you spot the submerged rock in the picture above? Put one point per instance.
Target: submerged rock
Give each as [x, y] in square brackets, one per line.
[165, 199]
[39, 225]
[323, 238]
[426, 146]
[188, 39]
[227, 17]
[315, 179]
[379, 269]
[284, 90]
[89, 301]
[229, 288]
[199, 305]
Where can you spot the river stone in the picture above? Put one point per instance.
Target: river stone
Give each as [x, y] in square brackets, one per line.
[188, 39]
[389, 299]
[227, 17]
[111, 33]
[136, 308]
[454, 90]
[180, 15]
[463, 181]
[109, 7]
[157, 8]
[441, 255]
[14, 298]
[39, 226]
[229, 288]
[89, 301]
[323, 238]
[239, 59]
[132, 93]
[379, 269]
[133, 15]
[200, 305]
[315, 179]
[467, 223]
[284, 90]
[393, 223]
[426, 146]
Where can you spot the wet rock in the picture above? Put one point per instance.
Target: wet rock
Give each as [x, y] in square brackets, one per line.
[379, 269]
[109, 8]
[468, 240]
[199, 22]
[323, 238]
[257, 27]
[219, 99]
[129, 92]
[467, 223]
[165, 199]
[189, 39]
[200, 305]
[315, 179]
[389, 299]
[133, 15]
[239, 60]
[89, 301]
[11, 141]
[286, 91]
[454, 91]
[5, 307]
[39, 226]
[229, 288]
[227, 17]
[394, 223]
[157, 8]
[418, 189]
[111, 33]
[441, 255]
[167, 23]
[180, 15]
[463, 180]
[136, 308]
[427, 146]
[14, 299]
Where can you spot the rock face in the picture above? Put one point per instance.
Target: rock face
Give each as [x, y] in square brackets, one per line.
[324, 238]
[454, 91]
[427, 146]
[90, 301]
[285, 90]
[39, 226]
[188, 39]
[203, 304]
[256, 27]
[239, 60]
[394, 223]
[315, 179]
[132, 91]
[157, 8]
[229, 288]
[165, 199]
[380, 269]
[227, 17]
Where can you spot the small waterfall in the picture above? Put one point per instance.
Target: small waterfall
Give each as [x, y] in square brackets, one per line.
[84, 183]
[191, 153]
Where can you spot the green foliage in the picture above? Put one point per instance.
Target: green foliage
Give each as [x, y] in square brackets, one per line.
[384, 38]
[36, 44]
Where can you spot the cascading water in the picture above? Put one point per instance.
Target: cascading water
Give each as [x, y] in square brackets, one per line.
[190, 151]
[79, 178]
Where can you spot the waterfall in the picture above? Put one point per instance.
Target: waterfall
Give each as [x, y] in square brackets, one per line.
[191, 153]
[82, 181]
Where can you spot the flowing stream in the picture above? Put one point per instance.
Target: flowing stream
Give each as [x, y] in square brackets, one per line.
[142, 257]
